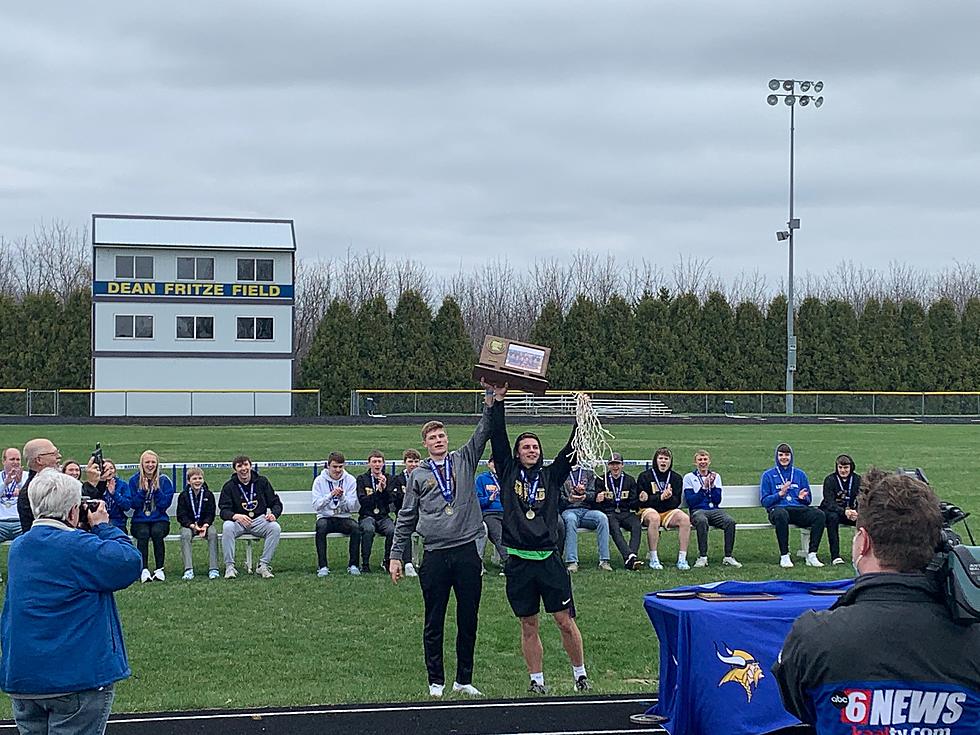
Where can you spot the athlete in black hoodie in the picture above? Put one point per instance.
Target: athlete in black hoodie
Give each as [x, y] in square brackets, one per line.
[661, 492]
[530, 494]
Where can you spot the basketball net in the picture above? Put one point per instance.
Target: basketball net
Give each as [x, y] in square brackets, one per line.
[591, 441]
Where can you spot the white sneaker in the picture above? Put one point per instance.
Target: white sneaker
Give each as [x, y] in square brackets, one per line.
[230, 571]
[732, 562]
[354, 571]
[322, 572]
[683, 565]
[145, 576]
[812, 560]
[785, 562]
[702, 561]
[159, 576]
[263, 571]
[188, 575]
[837, 561]
[467, 689]
[410, 570]
[435, 690]
[655, 565]
[213, 574]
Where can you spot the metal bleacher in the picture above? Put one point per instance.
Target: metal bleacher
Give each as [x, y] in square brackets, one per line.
[564, 405]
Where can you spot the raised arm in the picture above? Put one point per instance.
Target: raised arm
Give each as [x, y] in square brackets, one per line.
[503, 458]
[566, 456]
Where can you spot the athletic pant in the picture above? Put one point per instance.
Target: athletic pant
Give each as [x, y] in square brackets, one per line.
[716, 518]
[631, 522]
[187, 536]
[834, 520]
[801, 516]
[337, 524]
[268, 530]
[444, 570]
[143, 532]
[382, 526]
[495, 530]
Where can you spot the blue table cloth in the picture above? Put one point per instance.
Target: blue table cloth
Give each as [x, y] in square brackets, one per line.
[716, 658]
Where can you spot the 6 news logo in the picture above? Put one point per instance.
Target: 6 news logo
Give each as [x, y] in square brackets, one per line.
[899, 711]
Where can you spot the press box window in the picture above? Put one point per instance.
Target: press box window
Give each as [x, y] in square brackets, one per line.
[255, 269]
[134, 267]
[255, 327]
[131, 326]
[195, 327]
[195, 269]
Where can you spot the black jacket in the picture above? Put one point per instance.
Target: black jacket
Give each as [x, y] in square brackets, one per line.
[185, 510]
[629, 496]
[24, 504]
[541, 532]
[396, 489]
[231, 500]
[890, 634]
[375, 503]
[647, 482]
[838, 495]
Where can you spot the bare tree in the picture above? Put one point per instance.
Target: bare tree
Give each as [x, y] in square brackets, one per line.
[959, 283]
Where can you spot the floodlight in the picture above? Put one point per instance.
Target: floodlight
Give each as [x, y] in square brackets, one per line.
[805, 86]
[788, 85]
[789, 100]
[804, 100]
[773, 84]
[818, 87]
[818, 102]
[772, 99]
[782, 235]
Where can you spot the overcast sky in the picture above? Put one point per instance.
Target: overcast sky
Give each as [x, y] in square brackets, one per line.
[453, 131]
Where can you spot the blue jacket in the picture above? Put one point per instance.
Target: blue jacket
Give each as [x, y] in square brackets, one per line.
[695, 495]
[60, 629]
[484, 483]
[776, 476]
[161, 499]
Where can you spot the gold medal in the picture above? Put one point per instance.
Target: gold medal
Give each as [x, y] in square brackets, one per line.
[251, 514]
[450, 510]
[377, 510]
[530, 515]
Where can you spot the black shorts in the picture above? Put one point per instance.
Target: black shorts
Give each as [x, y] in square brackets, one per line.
[529, 582]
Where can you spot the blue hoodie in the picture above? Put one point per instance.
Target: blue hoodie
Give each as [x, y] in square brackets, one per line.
[484, 484]
[776, 476]
[160, 500]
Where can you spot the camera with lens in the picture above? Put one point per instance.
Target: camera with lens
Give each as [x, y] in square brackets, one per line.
[955, 567]
[84, 508]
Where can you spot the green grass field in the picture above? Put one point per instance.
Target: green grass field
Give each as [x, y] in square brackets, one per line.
[299, 640]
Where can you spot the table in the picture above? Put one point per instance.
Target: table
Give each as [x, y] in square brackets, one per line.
[716, 658]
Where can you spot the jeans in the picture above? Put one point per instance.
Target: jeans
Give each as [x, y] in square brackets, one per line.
[79, 713]
[383, 526]
[345, 525]
[9, 529]
[594, 520]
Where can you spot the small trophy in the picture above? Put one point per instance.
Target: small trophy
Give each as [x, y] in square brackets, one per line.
[519, 364]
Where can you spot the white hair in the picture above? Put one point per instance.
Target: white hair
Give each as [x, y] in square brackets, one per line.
[53, 494]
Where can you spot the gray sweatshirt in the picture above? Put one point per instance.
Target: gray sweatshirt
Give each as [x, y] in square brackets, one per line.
[424, 508]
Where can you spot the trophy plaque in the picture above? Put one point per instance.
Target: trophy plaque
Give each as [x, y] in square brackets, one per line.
[519, 364]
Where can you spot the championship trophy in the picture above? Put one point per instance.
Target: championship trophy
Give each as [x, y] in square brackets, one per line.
[518, 364]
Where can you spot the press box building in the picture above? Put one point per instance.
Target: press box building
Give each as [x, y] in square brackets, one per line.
[192, 304]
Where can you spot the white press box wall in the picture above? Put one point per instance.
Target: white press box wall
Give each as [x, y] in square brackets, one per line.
[218, 324]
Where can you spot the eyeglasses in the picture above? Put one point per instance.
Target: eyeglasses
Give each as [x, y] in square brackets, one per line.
[54, 451]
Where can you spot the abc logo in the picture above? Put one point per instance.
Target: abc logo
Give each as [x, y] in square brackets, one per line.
[839, 699]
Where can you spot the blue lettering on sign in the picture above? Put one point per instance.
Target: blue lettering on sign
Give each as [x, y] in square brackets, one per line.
[193, 289]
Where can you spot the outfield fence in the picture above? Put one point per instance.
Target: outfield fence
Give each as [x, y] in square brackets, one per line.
[387, 402]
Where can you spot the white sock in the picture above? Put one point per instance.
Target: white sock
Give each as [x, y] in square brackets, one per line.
[538, 678]
[653, 556]
[578, 671]
[681, 556]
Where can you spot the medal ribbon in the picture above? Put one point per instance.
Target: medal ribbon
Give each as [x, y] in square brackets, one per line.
[334, 502]
[445, 482]
[781, 478]
[845, 494]
[8, 489]
[200, 506]
[617, 491]
[496, 484]
[661, 486]
[248, 498]
[532, 494]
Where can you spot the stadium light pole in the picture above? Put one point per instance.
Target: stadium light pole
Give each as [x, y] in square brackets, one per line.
[793, 91]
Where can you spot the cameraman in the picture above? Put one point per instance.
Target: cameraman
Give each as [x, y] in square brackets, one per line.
[887, 653]
[62, 641]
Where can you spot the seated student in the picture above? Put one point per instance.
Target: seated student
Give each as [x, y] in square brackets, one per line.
[576, 495]
[196, 509]
[615, 495]
[334, 500]
[661, 492]
[105, 486]
[702, 493]
[839, 504]
[248, 504]
[488, 493]
[150, 495]
[374, 500]
[410, 459]
[784, 491]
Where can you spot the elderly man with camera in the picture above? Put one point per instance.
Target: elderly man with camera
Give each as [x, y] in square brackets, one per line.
[62, 645]
[888, 656]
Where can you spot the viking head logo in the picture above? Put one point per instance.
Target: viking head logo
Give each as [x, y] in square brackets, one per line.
[745, 669]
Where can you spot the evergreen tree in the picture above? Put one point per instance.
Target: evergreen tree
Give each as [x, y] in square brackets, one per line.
[775, 365]
[688, 354]
[717, 330]
[584, 348]
[415, 351]
[971, 345]
[945, 337]
[41, 354]
[331, 363]
[10, 373]
[815, 351]
[844, 336]
[751, 353]
[618, 370]
[916, 357]
[653, 341]
[372, 339]
[547, 332]
[451, 342]
[76, 347]
[881, 346]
